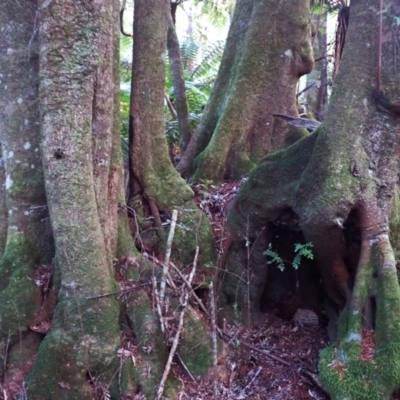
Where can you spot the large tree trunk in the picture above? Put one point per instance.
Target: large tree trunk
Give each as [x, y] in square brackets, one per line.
[155, 179]
[337, 185]
[268, 48]
[77, 105]
[24, 214]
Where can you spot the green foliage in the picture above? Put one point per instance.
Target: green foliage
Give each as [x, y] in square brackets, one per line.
[275, 258]
[200, 64]
[301, 250]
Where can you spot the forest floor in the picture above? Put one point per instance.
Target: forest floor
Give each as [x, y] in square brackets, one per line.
[275, 359]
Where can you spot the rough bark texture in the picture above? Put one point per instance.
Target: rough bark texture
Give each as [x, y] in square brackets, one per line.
[76, 104]
[181, 104]
[339, 183]
[268, 49]
[158, 182]
[27, 229]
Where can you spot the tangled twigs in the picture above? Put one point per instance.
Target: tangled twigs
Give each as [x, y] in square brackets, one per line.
[178, 331]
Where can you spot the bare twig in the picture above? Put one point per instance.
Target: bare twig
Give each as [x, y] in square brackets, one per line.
[198, 300]
[214, 338]
[305, 89]
[168, 254]
[158, 304]
[250, 346]
[154, 260]
[170, 106]
[252, 380]
[186, 368]
[130, 289]
[178, 331]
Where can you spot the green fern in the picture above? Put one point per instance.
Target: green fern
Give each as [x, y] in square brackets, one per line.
[275, 258]
[301, 250]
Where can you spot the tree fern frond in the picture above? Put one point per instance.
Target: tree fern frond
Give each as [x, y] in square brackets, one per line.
[211, 60]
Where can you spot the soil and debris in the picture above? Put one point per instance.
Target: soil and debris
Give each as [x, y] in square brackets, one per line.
[276, 359]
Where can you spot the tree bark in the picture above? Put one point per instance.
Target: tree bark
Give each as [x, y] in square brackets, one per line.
[155, 178]
[27, 236]
[77, 105]
[339, 182]
[181, 104]
[267, 50]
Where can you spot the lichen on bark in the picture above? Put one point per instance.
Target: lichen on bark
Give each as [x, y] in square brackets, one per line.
[257, 78]
[339, 182]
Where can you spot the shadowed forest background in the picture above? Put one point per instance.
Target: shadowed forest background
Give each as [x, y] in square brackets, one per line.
[199, 199]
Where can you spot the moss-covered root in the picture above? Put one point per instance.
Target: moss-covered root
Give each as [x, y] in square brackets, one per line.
[193, 229]
[194, 346]
[80, 353]
[343, 372]
[151, 345]
[66, 362]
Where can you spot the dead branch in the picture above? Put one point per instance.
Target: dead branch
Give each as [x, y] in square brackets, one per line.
[250, 346]
[158, 304]
[214, 338]
[168, 255]
[252, 380]
[178, 332]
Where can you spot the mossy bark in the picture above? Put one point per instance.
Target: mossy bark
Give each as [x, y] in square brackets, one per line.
[26, 240]
[76, 104]
[154, 178]
[268, 49]
[342, 177]
[181, 104]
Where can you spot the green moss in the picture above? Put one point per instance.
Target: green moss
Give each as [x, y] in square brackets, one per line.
[353, 379]
[193, 229]
[150, 341]
[19, 253]
[194, 346]
[394, 224]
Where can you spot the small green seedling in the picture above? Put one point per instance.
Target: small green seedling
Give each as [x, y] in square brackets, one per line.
[301, 250]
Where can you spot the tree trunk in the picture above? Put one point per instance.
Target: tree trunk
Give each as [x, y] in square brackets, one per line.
[337, 184]
[181, 104]
[77, 105]
[28, 235]
[267, 50]
[155, 178]
[317, 80]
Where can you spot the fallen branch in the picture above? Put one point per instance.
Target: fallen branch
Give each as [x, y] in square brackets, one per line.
[171, 282]
[252, 380]
[250, 346]
[158, 304]
[178, 331]
[214, 339]
[168, 255]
